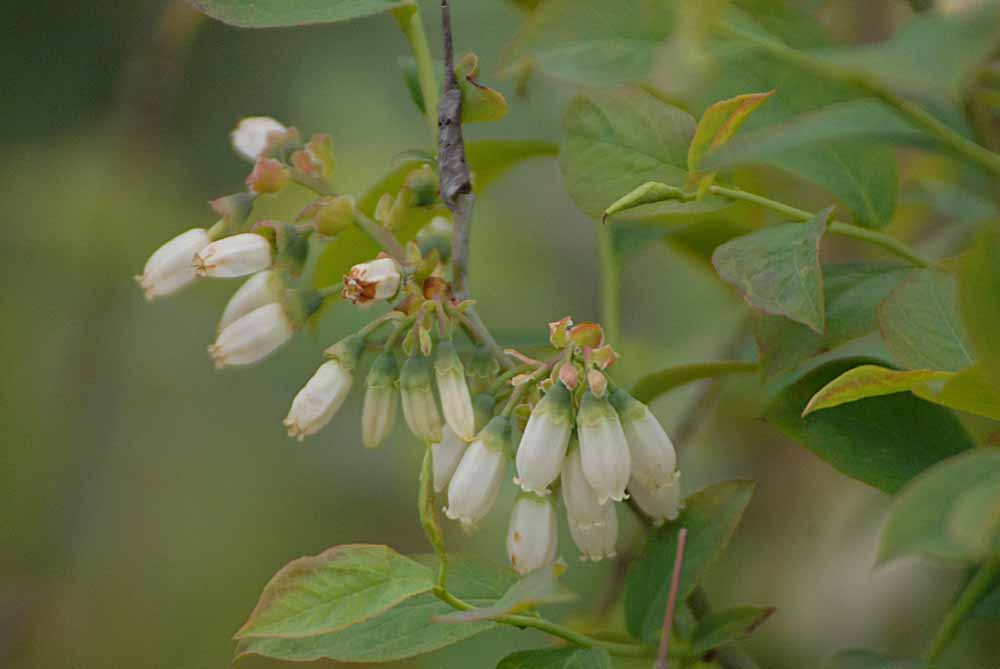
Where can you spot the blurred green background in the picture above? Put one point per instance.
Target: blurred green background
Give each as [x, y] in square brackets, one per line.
[147, 498]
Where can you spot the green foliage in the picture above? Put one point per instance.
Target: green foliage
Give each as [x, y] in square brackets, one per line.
[777, 269]
[563, 658]
[719, 628]
[921, 325]
[651, 386]
[948, 512]
[283, 13]
[979, 300]
[882, 441]
[537, 588]
[341, 586]
[716, 127]
[866, 659]
[710, 516]
[403, 631]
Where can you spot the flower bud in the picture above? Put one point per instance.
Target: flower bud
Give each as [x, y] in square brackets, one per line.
[542, 448]
[580, 499]
[250, 138]
[603, 449]
[234, 256]
[653, 457]
[315, 405]
[419, 408]
[260, 289]
[268, 176]
[476, 483]
[379, 414]
[372, 282]
[532, 536]
[596, 541]
[445, 456]
[662, 503]
[456, 403]
[169, 268]
[252, 337]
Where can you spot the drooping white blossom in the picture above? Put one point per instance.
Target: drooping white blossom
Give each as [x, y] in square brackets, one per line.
[533, 533]
[319, 400]
[543, 445]
[596, 541]
[234, 256]
[580, 499]
[419, 407]
[662, 503]
[654, 459]
[604, 452]
[456, 402]
[260, 289]
[378, 415]
[445, 456]
[252, 337]
[169, 269]
[370, 282]
[476, 482]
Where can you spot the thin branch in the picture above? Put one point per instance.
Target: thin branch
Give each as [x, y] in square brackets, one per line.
[970, 596]
[668, 618]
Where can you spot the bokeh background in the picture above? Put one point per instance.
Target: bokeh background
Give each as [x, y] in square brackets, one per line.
[146, 499]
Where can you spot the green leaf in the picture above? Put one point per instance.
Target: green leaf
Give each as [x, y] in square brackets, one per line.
[868, 381]
[866, 659]
[593, 41]
[537, 588]
[979, 299]
[488, 159]
[283, 13]
[341, 586]
[618, 140]
[777, 269]
[405, 630]
[920, 323]
[882, 441]
[721, 627]
[558, 658]
[651, 386]
[716, 127]
[988, 606]
[852, 291]
[968, 390]
[975, 520]
[710, 516]
[920, 518]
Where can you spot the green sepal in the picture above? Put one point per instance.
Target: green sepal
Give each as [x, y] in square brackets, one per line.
[496, 434]
[347, 351]
[628, 407]
[483, 405]
[384, 371]
[446, 360]
[594, 410]
[556, 404]
[416, 375]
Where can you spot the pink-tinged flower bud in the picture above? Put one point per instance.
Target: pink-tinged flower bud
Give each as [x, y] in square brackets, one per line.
[580, 499]
[378, 416]
[596, 541]
[456, 402]
[260, 289]
[654, 459]
[372, 282]
[319, 400]
[662, 503]
[234, 256]
[419, 408]
[250, 137]
[603, 449]
[169, 268]
[476, 483]
[268, 176]
[533, 533]
[542, 449]
[251, 338]
[445, 456]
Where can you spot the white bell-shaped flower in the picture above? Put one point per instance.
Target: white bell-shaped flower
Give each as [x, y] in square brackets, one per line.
[654, 459]
[603, 449]
[319, 400]
[371, 282]
[260, 289]
[419, 407]
[445, 456]
[250, 136]
[252, 337]
[662, 503]
[169, 269]
[580, 499]
[533, 533]
[456, 402]
[543, 445]
[234, 256]
[378, 416]
[476, 482]
[596, 541]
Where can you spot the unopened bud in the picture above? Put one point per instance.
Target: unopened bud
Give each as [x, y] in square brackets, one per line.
[268, 176]
[234, 256]
[596, 541]
[604, 451]
[436, 236]
[445, 456]
[251, 338]
[379, 413]
[419, 408]
[260, 289]
[319, 400]
[580, 499]
[533, 533]
[251, 136]
[476, 483]
[456, 402]
[654, 459]
[543, 445]
[372, 281]
[170, 267]
[330, 215]
[662, 503]
[559, 332]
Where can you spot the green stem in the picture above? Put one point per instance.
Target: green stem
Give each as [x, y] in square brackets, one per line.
[890, 244]
[382, 235]
[916, 114]
[412, 25]
[520, 389]
[610, 284]
[970, 596]
[478, 332]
